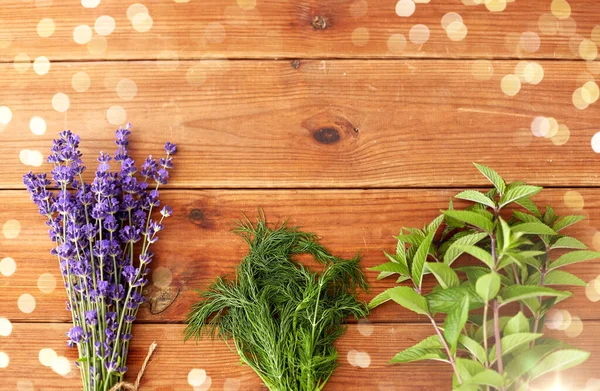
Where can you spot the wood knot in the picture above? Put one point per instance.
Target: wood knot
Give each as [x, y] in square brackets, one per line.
[331, 127]
[196, 215]
[160, 299]
[327, 136]
[319, 22]
[295, 64]
[199, 218]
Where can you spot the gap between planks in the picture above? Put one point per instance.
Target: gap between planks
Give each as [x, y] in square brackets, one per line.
[291, 58]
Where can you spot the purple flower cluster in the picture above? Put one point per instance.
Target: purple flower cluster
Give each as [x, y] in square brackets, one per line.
[97, 228]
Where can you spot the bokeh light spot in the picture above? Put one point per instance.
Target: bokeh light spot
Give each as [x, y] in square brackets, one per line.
[104, 25]
[60, 102]
[80, 82]
[482, 69]
[510, 85]
[405, 8]
[418, 34]
[396, 43]
[45, 27]
[26, 303]
[8, 266]
[365, 327]
[560, 9]
[141, 22]
[5, 115]
[61, 365]
[360, 36]
[573, 200]
[575, 328]
[82, 34]
[11, 229]
[246, 5]
[4, 360]
[5, 327]
[90, 3]
[135, 9]
[116, 115]
[126, 89]
[196, 377]
[37, 125]
[41, 65]
[46, 283]
[456, 31]
[47, 357]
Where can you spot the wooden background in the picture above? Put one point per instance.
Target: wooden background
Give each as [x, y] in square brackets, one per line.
[353, 117]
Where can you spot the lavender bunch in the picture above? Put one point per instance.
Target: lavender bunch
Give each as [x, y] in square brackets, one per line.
[102, 232]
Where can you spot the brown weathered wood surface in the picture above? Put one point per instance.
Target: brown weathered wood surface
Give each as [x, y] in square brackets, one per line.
[326, 124]
[173, 359]
[280, 29]
[313, 110]
[365, 221]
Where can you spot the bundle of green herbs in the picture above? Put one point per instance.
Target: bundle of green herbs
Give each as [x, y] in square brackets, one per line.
[494, 309]
[282, 316]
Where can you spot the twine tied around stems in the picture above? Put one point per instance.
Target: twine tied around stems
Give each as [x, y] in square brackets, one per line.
[135, 386]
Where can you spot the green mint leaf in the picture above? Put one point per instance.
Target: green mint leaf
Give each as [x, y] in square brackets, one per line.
[472, 218]
[443, 274]
[455, 322]
[476, 196]
[533, 229]
[493, 177]
[428, 349]
[574, 257]
[521, 292]
[511, 342]
[567, 221]
[409, 299]
[568, 242]
[418, 262]
[517, 324]
[454, 251]
[379, 299]
[525, 361]
[557, 277]
[528, 204]
[515, 193]
[473, 347]
[478, 253]
[487, 286]
[558, 361]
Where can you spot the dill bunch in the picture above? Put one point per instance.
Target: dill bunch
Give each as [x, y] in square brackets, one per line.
[282, 316]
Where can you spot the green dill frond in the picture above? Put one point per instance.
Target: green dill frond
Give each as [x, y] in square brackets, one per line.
[282, 316]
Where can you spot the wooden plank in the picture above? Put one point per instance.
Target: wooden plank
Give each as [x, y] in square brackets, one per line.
[196, 245]
[173, 360]
[326, 124]
[299, 29]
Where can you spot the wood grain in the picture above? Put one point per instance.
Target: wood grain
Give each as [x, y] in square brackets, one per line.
[196, 245]
[326, 124]
[298, 29]
[173, 359]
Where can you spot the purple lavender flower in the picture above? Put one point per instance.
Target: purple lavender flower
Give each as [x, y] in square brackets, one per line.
[130, 234]
[170, 148]
[149, 167]
[75, 334]
[166, 211]
[95, 227]
[91, 317]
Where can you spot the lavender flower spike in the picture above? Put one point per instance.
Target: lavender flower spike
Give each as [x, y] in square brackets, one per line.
[95, 227]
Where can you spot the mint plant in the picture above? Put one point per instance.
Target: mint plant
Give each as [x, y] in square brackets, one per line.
[493, 308]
